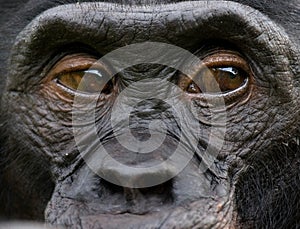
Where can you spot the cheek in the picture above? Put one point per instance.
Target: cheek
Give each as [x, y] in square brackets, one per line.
[248, 129]
[41, 123]
[44, 119]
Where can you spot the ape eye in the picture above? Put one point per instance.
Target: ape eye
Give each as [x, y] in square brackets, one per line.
[89, 81]
[218, 79]
[220, 73]
[82, 73]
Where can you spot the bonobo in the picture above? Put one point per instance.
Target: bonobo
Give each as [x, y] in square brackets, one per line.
[150, 113]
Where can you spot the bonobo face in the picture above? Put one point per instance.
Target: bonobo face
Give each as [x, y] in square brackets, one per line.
[153, 115]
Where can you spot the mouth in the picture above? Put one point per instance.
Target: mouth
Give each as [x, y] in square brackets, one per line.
[206, 213]
[155, 207]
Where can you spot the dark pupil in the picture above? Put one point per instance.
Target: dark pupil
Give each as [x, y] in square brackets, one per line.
[228, 78]
[92, 81]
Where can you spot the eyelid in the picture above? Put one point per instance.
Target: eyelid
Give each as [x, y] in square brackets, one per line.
[74, 63]
[221, 59]
[225, 60]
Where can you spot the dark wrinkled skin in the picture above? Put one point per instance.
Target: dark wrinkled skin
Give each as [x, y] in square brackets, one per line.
[255, 182]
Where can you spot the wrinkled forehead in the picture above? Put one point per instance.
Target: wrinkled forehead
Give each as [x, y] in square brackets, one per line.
[114, 8]
[107, 26]
[197, 20]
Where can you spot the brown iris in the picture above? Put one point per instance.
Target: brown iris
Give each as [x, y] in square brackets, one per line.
[89, 81]
[82, 73]
[220, 73]
[217, 79]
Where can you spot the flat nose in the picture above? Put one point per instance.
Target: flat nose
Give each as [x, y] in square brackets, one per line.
[139, 170]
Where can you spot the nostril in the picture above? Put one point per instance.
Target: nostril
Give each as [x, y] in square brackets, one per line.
[158, 190]
[138, 200]
[156, 195]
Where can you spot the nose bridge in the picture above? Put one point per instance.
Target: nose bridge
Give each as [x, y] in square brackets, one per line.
[150, 110]
[145, 102]
[145, 117]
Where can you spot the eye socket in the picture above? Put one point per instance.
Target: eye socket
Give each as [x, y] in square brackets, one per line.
[220, 73]
[83, 73]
